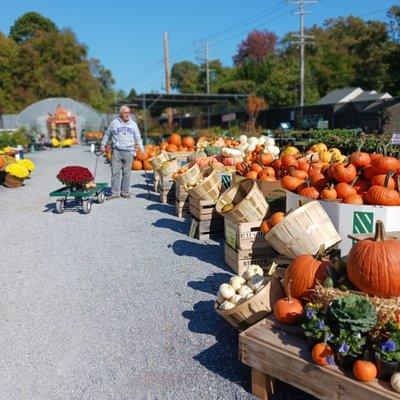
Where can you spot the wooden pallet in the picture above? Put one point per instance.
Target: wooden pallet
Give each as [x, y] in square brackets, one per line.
[208, 229]
[244, 235]
[203, 209]
[240, 260]
[273, 353]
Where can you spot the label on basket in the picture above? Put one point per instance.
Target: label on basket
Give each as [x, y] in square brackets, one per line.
[193, 228]
[230, 236]
[226, 180]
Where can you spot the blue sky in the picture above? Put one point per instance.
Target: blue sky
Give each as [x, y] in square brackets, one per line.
[127, 35]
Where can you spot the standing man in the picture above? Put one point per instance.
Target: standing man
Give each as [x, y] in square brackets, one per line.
[125, 136]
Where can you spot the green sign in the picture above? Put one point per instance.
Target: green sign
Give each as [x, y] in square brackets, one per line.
[226, 180]
[363, 222]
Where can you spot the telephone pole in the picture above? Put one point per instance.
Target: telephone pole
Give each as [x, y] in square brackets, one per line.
[302, 40]
[167, 79]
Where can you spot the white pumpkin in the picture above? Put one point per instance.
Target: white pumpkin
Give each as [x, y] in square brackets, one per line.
[272, 149]
[249, 296]
[231, 152]
[261, 140]
[251, 147]
[226, 305]
[236, 282]
[252, 270]
[244, 291]
[226, 291]
[220, 298]
[269, 141]
[236, 299]
[253, 140]
[255, 282]
[395, 381]
[243, 139]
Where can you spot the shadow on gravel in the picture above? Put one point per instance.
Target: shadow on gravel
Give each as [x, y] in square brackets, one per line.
[50, 207]
[142, 186]
[172, 224]
[153, 197]
[205, 252]
[222, 357]
[164, 208]
[211, 283]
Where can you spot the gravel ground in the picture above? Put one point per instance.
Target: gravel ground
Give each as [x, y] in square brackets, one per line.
[117, 304]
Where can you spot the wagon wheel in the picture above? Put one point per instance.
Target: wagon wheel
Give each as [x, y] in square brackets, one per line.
[101, 197]
[60, 206]
[86, 206]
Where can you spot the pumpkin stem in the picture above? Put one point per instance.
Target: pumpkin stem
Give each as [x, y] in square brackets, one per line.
[353, 182]
[320, 253]
[380, 234]
[388, 176]
[289, 292]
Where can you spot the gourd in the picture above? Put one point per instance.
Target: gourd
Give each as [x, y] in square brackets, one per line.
[277, 217]
[269, 141]
[236, 299]
[320, 352]
[288, 310]
[303, 273]
[212, 150]
[271, 148]
[364, 371]
[262, 139]
[188, 141]
[244, 291]
[236, 282]
[227, 305]
[383, 195]
[344, 172]
[243, 139]
[226, 290]
[249, 296]
[255, 282]
[395, 381]
[253, 140]
[373, 265]
[251, 271]
[231, 152]
[197, 155]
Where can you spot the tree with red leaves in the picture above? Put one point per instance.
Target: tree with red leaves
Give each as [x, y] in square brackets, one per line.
[256, 47]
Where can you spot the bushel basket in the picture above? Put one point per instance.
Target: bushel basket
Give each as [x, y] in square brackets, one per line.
[208, 187]
[303, 231]
[12, 181]
[158, 161]
[190, 176]
[169, 167]
[249, 204]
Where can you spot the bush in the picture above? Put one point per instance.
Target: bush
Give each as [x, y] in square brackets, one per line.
[13, 139]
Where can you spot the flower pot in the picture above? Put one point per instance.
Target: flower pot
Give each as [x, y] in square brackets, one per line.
[12, 181]
[385, 368]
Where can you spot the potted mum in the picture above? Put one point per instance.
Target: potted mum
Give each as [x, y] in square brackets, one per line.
[75, 177]
[15, 175]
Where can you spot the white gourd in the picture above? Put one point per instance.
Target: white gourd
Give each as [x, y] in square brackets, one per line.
[249, 296]
[253, 140]
[226, 305]
[226, 290]
[269, 141]
[274, 150]
[220, 298]
[236, 299]
[261, 140]
[255, 282]
[231, 152]
[236, 282]
[251, 147]
[252, 270]
[243, 139]
[244, 291]
[395, 381]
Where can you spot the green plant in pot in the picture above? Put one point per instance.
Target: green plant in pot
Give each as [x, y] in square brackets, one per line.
[348, 346]
[314, 325]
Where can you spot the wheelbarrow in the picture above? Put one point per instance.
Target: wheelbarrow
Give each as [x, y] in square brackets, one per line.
[84, 197]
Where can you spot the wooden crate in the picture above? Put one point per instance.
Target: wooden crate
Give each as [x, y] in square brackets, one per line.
[244, 235]
[156, 179]
[273, 353]
[240, 260]
[209, 229]
[203, 209]
[166, 189]
[181, 201]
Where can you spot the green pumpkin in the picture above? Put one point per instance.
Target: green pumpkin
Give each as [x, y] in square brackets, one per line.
[196, 155]
[212, 150]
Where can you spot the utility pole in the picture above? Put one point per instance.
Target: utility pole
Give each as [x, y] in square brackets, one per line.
[302, 41]
[208, 82]
[167, 79]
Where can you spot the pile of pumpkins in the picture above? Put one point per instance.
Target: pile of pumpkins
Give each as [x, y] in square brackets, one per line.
[241, 288]
[178, 143]
[141, 160]
[370, 274]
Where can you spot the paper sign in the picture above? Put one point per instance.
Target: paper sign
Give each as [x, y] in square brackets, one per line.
[395, 138]
[193, 228]
[226, 180]
[230, 236]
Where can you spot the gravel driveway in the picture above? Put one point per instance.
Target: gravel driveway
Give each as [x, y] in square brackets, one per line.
[117, 304]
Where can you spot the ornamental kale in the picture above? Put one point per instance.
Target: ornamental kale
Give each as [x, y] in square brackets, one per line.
[353, 314]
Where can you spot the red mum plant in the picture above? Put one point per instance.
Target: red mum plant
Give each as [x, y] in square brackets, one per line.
[75, 176]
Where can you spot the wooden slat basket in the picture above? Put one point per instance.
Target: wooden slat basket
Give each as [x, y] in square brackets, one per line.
[248, 200]
[303, 231]
[208, 188]
[256, 308]
[169, 167]
[190, 176]
[158, 161]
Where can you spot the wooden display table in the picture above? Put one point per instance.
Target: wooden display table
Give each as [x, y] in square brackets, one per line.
[273, 353]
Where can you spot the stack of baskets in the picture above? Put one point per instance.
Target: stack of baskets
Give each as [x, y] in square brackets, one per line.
[208, 187]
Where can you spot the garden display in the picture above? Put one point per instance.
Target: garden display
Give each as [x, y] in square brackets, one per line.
[16, 171]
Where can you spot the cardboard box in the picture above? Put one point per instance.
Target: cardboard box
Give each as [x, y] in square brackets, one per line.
[351, 219]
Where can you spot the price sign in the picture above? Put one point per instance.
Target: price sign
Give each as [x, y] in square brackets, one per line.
[193, 228]
[226, 180]
[395, 138]
[230, 236]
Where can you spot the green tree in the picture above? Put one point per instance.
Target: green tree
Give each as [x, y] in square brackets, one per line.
[26, 26]
[8, 52]
[185, 77]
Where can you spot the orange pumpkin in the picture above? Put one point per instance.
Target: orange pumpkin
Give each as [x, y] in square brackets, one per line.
[320, 352]
[355, 199]
[2, 162]
[364, 371]
[382, 195]
[318, 180]
[360, 159]
[361, 185]
[329, 193]
[251, 175]
[289, 161]
[344, 190]
[163, 145]
[140, 156]
[308, 191]
[188, 141]
[373, 265]
[344, 172]
[137, 165]
[147, 165]
[256, 167]
[288, 310]
[172, 148]
[291, 183]
[276, 218]
[265, 226]
[299, 173]
[385, 164]
[380, 180]
[304, 272]
[267, 171]
[175, 139]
